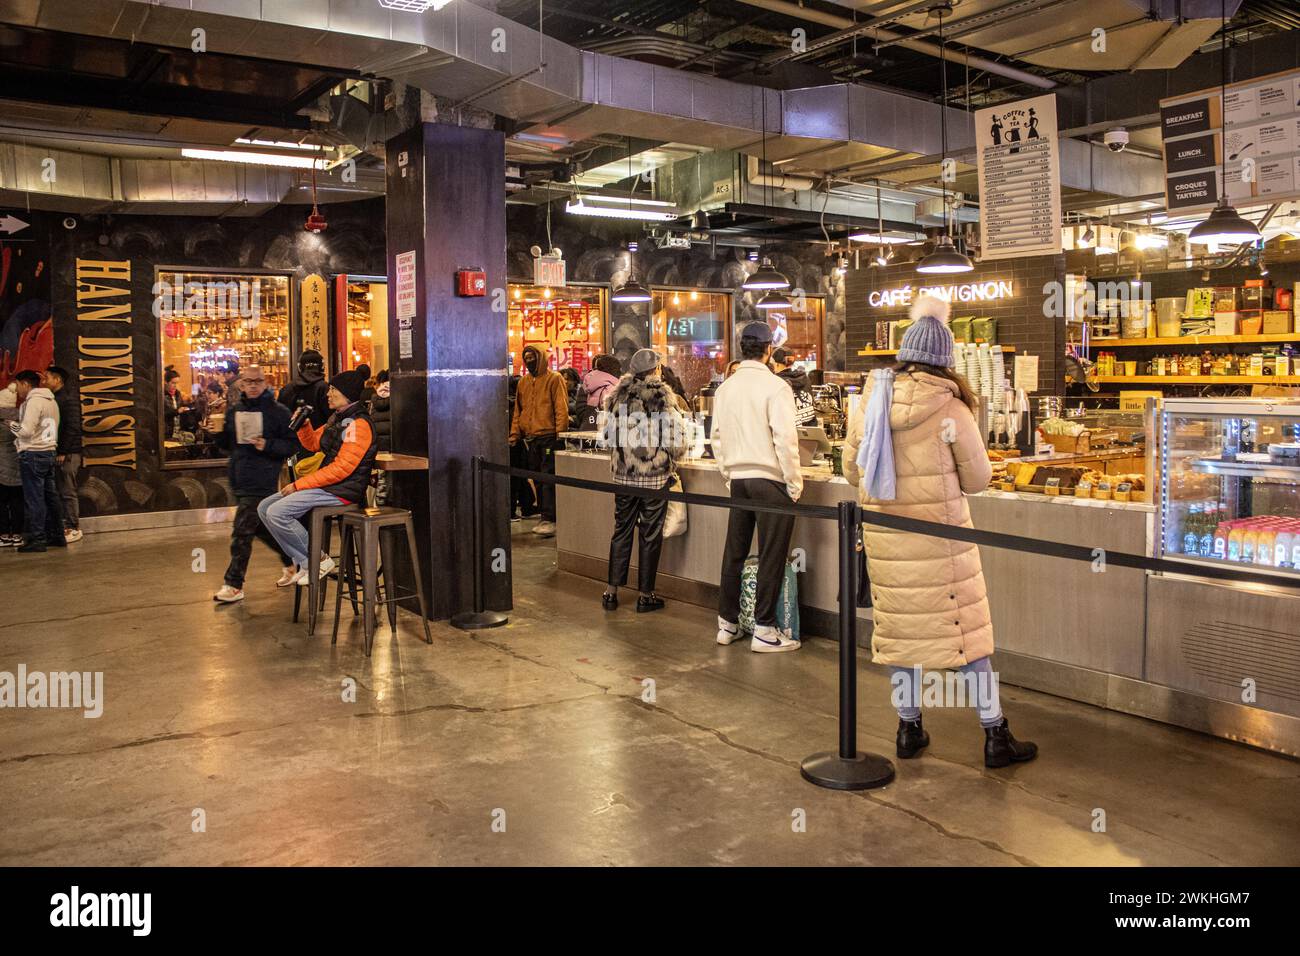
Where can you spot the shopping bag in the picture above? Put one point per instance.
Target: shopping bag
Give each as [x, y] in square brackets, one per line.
[675, 517]
[787, 605]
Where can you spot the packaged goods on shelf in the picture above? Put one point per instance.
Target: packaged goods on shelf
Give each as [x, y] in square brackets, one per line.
[1200, 303]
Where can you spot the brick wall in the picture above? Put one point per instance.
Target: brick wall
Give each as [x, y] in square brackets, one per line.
[1020, 318]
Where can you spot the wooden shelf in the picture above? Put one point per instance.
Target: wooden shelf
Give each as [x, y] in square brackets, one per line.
[886, 352]
[1201, 379]
[1192, 340]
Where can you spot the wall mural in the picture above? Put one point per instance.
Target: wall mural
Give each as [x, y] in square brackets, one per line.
[354, 242]
[594, 252]
[26, 329]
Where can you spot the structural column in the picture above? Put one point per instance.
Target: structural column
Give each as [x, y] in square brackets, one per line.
[446, 206]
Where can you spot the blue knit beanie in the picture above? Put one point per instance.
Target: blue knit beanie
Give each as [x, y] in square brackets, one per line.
[928, 339]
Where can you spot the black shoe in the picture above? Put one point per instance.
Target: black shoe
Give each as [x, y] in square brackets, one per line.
[609, 601]
[1001, 749]
[651, 603]
[912, 738]
[32, 547]
[61, 543]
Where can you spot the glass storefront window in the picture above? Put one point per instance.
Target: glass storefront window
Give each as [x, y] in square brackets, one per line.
[799, 328]
[361, 322]
[206, 319]
[690, 330]
[568, 321]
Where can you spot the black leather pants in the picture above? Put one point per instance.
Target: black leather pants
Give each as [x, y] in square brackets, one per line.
[633, 515]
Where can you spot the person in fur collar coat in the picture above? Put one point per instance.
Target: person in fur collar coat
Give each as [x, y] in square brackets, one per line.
[647, 435]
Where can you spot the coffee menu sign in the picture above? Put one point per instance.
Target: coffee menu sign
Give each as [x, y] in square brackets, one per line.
[1252, 133]
[1019, 164]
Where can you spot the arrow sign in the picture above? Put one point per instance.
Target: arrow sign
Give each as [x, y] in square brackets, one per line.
[10, 225]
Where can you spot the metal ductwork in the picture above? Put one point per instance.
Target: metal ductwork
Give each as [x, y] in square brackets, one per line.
[574, 96]
[88, 183]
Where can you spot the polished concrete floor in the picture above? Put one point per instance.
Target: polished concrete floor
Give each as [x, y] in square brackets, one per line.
[532, 744]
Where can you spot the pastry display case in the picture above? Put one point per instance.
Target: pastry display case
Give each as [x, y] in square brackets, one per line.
[1230, 483]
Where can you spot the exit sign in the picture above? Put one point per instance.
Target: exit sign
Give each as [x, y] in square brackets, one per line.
[548, 271]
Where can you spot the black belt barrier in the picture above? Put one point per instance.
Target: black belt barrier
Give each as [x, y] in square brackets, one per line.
[847, 768]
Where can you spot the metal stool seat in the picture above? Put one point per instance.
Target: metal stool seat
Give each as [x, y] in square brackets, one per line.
[318, 540]
[369, 526]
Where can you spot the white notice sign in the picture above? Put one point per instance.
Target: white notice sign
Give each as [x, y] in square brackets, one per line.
[1027, 372]
[405, 285]
[404, 348]
[1019, 179]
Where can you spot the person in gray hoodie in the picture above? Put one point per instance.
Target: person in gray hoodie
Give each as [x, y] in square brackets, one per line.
[11, 482]
[36, 436]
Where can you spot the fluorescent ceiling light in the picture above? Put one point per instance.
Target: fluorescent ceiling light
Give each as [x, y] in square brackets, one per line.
[413, 6]
[277, 144]
[889, 240]
[255, 159]
[622, 207]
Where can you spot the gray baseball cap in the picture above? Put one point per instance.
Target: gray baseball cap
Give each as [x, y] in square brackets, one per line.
[644, 360]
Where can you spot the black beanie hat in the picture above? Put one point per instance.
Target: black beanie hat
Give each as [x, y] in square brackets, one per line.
[351, 384]
[310, 358]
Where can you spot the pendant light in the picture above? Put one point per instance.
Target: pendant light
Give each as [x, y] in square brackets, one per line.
[1223, 225]
[773, 300]
[630, 291]
[767, 276]
[945, 257]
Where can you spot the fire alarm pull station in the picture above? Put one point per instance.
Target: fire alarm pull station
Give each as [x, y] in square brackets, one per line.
[471, 282]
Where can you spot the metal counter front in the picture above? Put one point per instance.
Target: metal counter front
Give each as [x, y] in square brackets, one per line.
[1063, 627]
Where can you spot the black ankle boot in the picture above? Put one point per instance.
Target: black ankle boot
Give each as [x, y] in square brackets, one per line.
[1001, 749]
[648, 602]
[912, 738]
[609, 601]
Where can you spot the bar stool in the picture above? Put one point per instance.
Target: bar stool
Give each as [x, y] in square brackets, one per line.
[318, 540]
[370, 525]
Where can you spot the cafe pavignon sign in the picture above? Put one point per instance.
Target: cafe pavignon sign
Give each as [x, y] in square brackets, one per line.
[966, 292]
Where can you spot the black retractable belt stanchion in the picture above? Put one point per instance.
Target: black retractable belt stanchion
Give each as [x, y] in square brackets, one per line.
[478, 618]
[849, 769]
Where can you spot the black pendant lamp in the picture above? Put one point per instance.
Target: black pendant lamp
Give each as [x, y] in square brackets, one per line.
[630, 291]
[1224, 225]
[945, 257]
[767, 276]
[773, 300]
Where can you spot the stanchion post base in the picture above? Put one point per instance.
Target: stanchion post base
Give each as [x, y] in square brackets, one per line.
[478, 620]
[863, 772]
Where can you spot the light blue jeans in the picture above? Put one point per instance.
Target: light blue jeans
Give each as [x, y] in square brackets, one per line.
[976, 683]
[280, 514]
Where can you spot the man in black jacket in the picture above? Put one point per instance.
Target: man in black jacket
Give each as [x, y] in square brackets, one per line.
[67, 460]
[308, 388]
[805, 407]
[258, 439]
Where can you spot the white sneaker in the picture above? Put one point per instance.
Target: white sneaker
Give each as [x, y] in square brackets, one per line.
[544, 528]
[326, 566]
[727, 631]
[228, 595]
[10, 540]
[287, 576]
[72, 534]
[772, 640]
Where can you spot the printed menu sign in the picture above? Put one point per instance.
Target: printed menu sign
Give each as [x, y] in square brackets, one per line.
[1254, 133]
[1018, 158]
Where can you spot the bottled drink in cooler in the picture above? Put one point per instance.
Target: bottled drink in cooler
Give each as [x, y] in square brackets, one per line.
[1191, 530]
[1209, 521]
[1264, 546]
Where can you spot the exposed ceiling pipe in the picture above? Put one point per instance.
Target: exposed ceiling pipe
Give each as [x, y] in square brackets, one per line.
[918, 46]
[778, 181]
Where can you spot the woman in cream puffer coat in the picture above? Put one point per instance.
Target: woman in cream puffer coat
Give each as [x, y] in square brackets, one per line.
[929, 604]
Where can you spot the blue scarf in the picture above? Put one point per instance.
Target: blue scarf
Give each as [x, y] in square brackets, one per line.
[876, 456]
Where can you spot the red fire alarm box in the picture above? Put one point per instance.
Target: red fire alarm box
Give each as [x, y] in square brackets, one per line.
[471, 282]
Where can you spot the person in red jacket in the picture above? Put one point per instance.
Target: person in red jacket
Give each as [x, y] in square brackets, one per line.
[348, 442]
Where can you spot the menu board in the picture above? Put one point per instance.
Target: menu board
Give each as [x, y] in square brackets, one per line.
[1019, 164]
[1252, 134]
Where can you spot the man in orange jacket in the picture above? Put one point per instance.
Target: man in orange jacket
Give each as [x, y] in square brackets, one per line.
[540, 413]
[348, 442]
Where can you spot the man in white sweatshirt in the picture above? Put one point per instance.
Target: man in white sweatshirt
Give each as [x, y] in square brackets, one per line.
[36, 437]
[757, 449]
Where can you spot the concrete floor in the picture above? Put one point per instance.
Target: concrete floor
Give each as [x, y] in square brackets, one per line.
[235, 711]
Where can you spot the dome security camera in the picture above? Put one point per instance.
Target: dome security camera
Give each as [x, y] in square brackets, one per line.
[1116, 139]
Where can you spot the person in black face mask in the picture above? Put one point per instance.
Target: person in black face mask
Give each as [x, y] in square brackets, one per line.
[308, 388]
[540, 413]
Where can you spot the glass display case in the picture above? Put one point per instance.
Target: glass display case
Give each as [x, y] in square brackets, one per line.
[1230, 482]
